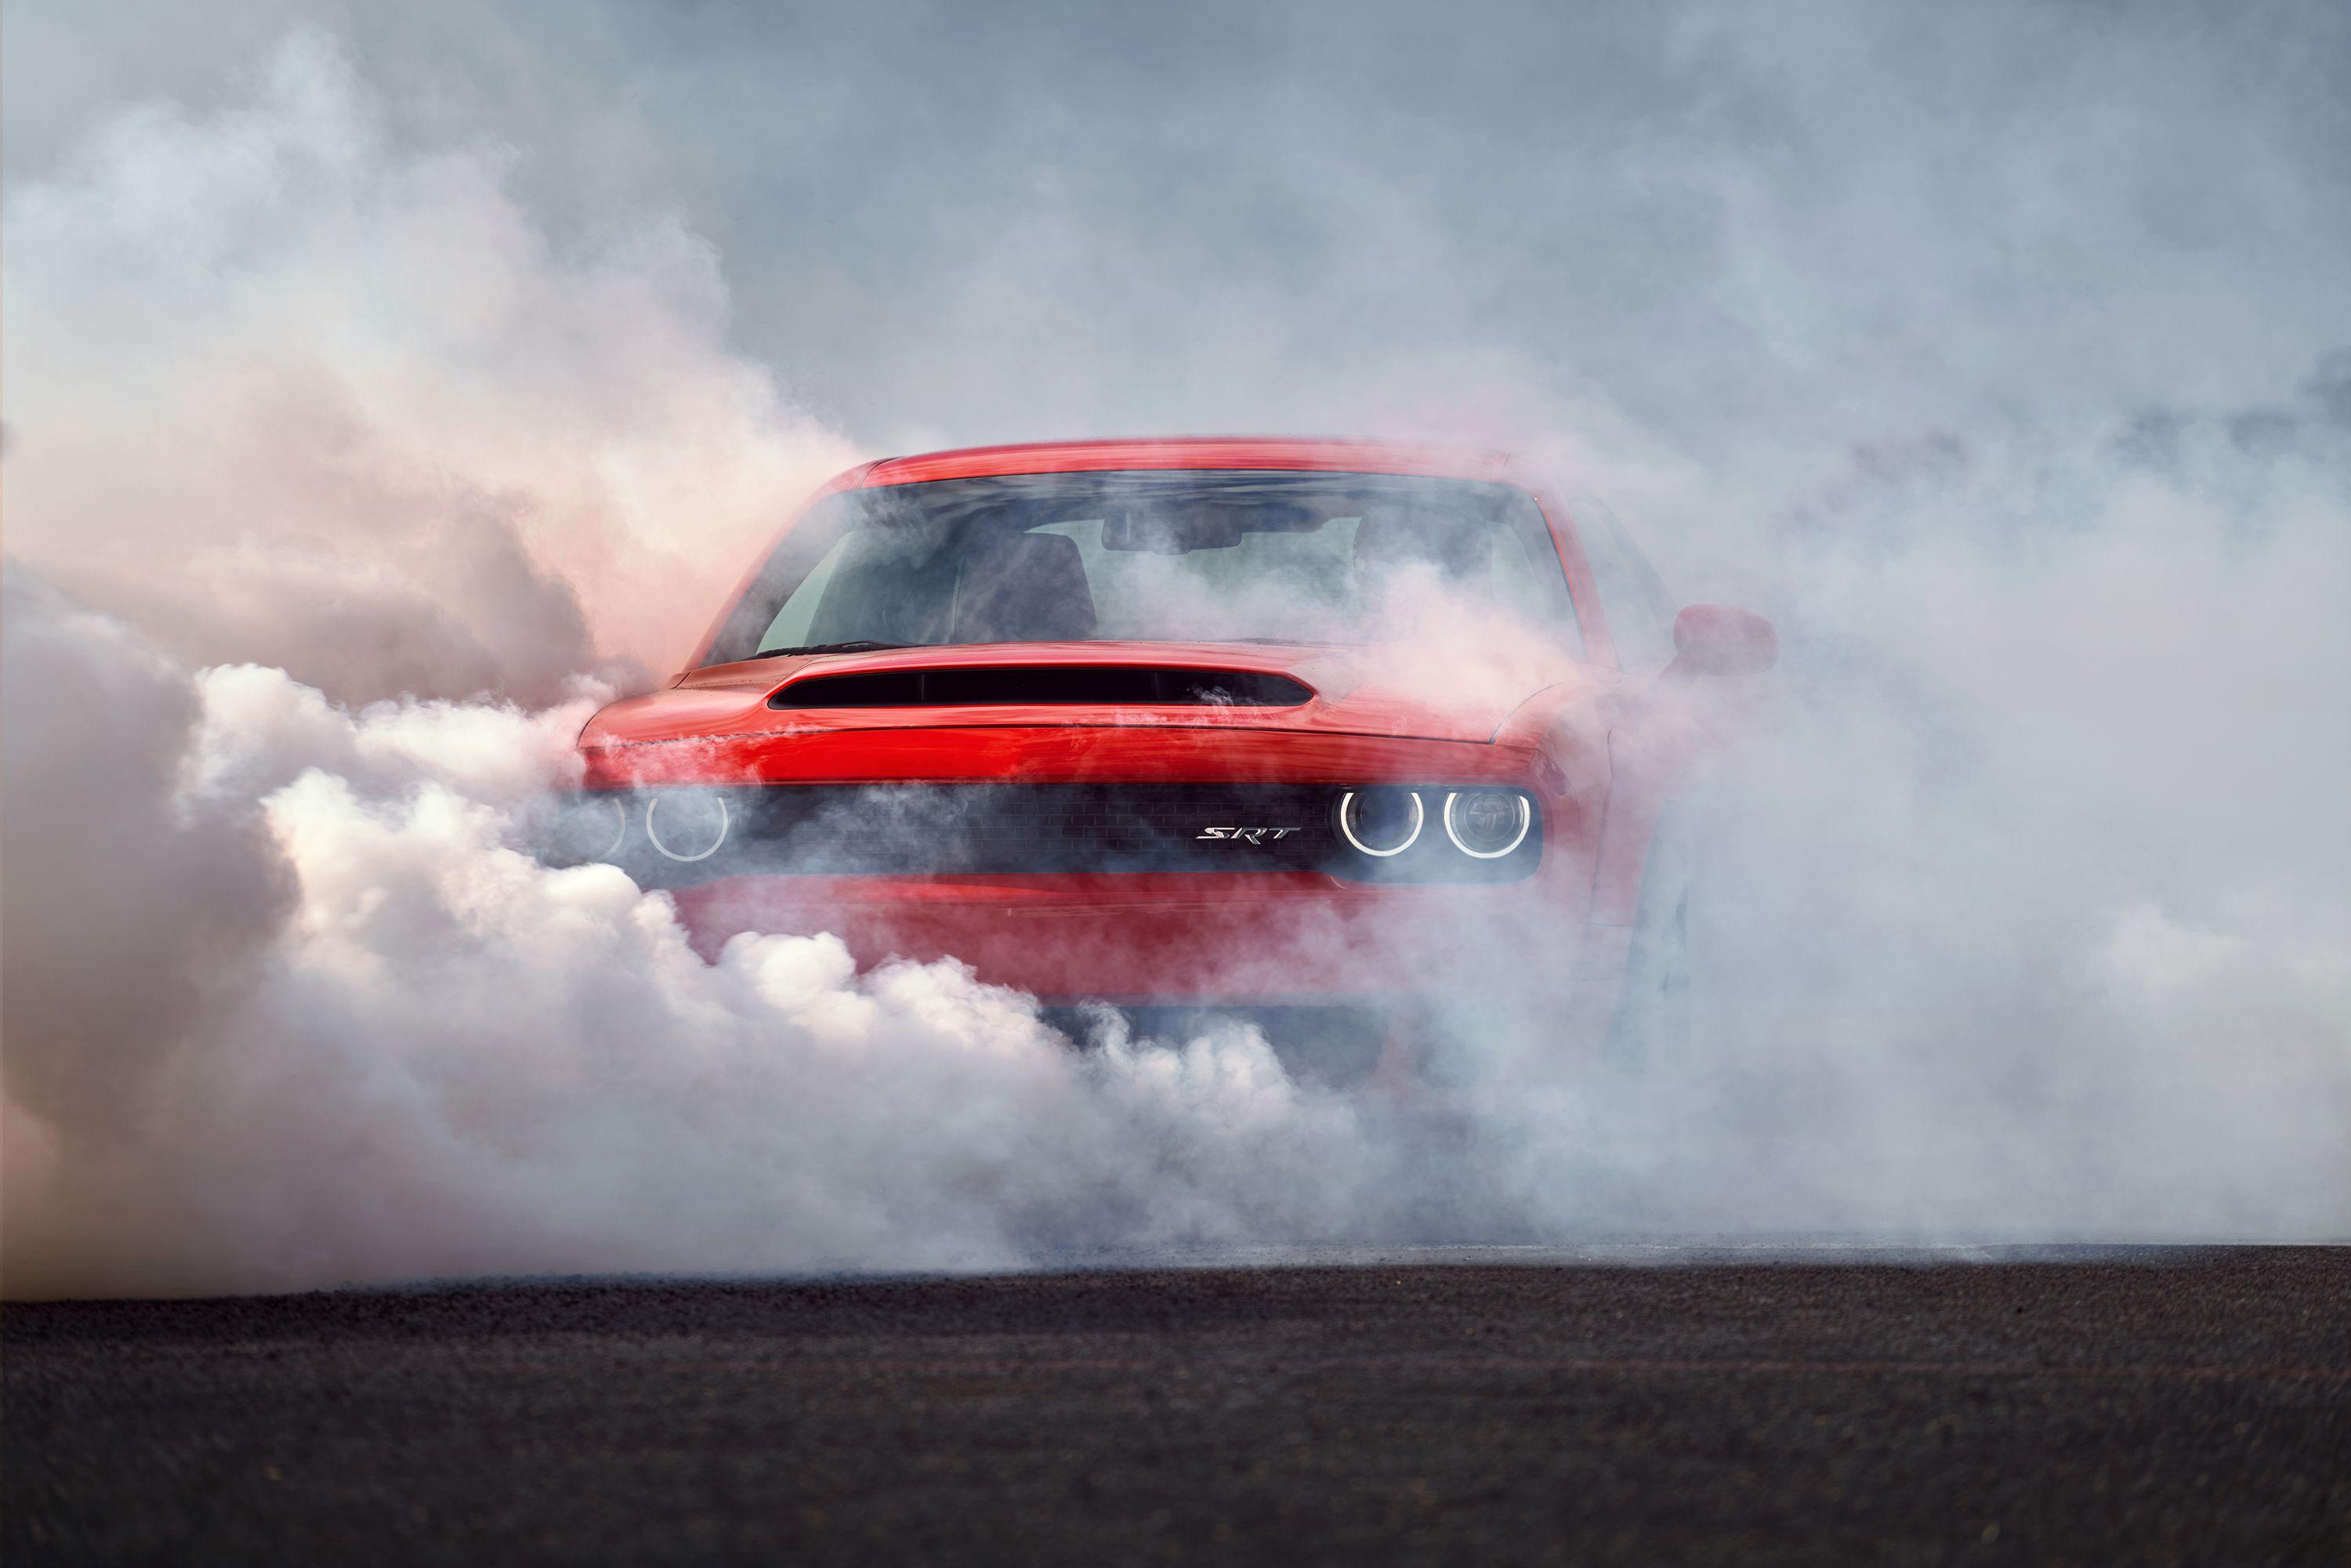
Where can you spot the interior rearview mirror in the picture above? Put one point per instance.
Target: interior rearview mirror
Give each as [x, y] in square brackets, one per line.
[1171, 531]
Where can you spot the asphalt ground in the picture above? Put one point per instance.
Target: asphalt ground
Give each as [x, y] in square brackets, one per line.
[2148, 1406]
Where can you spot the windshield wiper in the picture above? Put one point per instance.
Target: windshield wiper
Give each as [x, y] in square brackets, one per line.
[854, 645]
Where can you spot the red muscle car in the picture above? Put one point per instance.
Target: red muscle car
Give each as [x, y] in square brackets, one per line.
[1341, 739]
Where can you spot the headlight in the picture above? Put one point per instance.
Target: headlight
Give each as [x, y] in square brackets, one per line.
[686, 826]
[587, 828]
[1380, 822]
[1487, 824]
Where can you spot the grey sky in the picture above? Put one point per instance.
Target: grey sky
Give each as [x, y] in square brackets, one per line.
[1782, 224]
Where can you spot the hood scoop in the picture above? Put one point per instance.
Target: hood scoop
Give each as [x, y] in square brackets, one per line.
[1075, 686]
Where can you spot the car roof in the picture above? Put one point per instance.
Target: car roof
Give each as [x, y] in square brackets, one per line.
[1274, 452]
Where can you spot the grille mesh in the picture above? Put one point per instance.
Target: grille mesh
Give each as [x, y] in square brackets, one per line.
[988, 827]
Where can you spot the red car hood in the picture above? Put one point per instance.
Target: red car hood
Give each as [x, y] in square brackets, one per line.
[1389, 692]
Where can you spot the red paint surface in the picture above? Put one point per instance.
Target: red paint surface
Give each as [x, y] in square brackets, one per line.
[1247, 934]
[1250, 935]
[1375, 694]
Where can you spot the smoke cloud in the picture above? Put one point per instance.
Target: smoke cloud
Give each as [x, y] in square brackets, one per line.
[359, 1035]
[360, 444]
[282, 390]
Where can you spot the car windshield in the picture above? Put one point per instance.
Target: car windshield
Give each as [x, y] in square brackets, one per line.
[1151, 555]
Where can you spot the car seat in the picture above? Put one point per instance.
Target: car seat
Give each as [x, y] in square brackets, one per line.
[1023, 588]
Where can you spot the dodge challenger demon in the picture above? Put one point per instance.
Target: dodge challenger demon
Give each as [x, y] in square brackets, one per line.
[1364, 744]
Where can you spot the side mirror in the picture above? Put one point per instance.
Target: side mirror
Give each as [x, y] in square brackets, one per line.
[1722, 640]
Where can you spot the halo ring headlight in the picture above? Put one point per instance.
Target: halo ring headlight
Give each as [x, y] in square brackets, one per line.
[686, 834]
[1480, 800]
[1347, 829]
[589, 827]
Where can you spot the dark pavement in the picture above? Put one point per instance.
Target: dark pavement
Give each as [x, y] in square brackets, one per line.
[2150, 1407]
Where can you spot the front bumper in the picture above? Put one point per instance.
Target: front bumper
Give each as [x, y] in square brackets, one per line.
[1262, 936]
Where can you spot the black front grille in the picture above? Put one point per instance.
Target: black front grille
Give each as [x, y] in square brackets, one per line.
[1015, 829]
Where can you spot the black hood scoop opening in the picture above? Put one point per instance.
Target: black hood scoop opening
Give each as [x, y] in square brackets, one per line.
[1089, 686]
